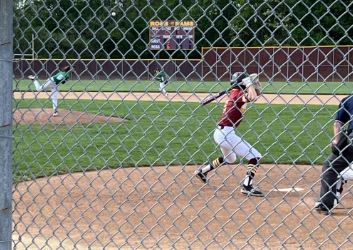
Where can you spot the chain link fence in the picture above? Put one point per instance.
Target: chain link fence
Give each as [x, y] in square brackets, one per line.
[107, 159]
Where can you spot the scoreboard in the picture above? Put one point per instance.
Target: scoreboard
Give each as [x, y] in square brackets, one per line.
[172, 35]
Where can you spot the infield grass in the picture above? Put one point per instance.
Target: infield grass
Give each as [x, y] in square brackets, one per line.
[197, 87]
[162, 133]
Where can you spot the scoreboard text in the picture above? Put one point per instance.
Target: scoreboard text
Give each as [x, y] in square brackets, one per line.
[171, 35]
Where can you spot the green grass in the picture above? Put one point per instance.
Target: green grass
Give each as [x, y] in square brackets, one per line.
[163, 133]
[198, 87]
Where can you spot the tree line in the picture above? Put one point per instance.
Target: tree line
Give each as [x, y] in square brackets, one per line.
[86, 29]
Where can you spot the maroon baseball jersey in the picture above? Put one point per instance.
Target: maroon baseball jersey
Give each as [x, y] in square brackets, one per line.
[232, 114]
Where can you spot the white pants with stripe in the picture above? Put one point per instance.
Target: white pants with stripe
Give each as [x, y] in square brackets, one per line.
[161, 88]
[49, 84]
[232, 145]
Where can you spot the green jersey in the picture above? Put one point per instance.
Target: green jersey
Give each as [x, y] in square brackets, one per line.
[61, 77]
[160, 77]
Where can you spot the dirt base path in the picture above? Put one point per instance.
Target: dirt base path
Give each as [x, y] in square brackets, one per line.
[183, 97]
[168, 208]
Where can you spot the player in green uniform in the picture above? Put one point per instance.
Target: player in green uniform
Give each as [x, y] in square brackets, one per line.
[53, 83]
[161, 77]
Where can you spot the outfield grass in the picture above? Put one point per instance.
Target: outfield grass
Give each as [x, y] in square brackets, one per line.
[163, 133]
[199, 87]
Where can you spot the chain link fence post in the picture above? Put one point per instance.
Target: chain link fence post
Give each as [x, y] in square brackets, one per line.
[6, 72]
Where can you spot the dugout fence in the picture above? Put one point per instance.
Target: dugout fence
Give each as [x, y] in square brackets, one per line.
[115, 171]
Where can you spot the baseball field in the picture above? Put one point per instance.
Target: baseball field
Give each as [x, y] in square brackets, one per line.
[162, 133]
[116, 171]
[114, 109]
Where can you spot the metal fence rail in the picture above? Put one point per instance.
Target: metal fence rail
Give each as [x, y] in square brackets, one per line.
[118, 172]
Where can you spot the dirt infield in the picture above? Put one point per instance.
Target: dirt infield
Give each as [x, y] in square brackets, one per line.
[167, 208]
[183, 97]
[45, 116]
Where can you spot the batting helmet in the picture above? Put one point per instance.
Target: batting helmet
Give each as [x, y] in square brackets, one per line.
[237, 79]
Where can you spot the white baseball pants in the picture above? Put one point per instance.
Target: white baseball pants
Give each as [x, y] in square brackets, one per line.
[161, 88]
[347, 173]
[232, 145]
[54, 91]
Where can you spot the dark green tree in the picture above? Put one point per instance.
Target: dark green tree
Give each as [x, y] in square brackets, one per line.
[292, 22]
[86, 29]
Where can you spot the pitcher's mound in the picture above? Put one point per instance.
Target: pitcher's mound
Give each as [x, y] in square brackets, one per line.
[45, 116]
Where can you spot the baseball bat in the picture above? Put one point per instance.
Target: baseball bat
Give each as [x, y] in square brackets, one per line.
[211, 98]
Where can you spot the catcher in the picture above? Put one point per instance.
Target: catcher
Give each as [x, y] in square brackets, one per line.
[338, 165]
[53, 84]
[244, 89]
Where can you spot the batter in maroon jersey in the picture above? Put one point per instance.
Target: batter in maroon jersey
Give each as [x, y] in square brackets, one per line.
[224, 135]
[232, 113]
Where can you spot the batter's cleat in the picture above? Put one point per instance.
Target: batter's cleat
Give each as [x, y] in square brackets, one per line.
[201, 176]
[32, 77]
[251, 191]
[55, 114]
[322, 209]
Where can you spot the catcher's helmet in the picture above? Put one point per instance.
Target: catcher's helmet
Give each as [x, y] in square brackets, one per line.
[237, 79]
